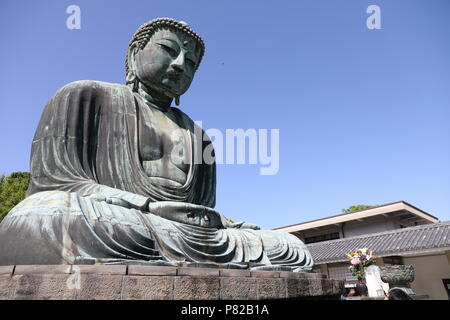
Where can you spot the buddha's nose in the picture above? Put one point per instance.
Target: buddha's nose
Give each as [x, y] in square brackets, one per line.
[178, 64]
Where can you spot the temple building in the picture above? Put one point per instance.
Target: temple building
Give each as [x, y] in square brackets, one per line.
[397, 233]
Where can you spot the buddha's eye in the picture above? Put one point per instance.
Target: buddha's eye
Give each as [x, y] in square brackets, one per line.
[168, 49]
[190, 62]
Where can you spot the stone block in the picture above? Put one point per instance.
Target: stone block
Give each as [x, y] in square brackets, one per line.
[6, 287]
[147, 288]
[292, 275]
[234, 288]
[198, 272]
[6, 270]
[297, 288]
[99, 287]
[315, 287]
[149, 282]
[151, 270]
[100, 269]
[196, 288]
[42, 269]
[234, 273]
[327, 287]
[42, 287]
[271, 288]
[265, 274]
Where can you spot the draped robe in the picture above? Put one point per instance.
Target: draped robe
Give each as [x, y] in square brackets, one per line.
[85, 154]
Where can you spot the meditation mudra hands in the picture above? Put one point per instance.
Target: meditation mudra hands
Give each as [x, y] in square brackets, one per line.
[196, 215]
[187, 213]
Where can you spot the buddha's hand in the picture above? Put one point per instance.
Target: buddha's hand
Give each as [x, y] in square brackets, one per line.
[187, 213]
[111, 200]
[239, 225]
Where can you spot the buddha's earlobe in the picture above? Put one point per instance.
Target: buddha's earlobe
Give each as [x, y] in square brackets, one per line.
[177, 100]
[131, 74]
[136, 84]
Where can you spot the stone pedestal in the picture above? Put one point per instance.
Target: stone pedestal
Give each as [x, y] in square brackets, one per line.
[140, 282]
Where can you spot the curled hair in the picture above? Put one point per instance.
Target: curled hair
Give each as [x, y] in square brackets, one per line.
[143, 34]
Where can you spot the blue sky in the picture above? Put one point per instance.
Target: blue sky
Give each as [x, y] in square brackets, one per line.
[363, 114]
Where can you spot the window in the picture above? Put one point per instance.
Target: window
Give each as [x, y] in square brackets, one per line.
[394, 260]
[323, 237]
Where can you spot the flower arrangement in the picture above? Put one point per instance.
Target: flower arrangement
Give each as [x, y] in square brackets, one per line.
[360, 259]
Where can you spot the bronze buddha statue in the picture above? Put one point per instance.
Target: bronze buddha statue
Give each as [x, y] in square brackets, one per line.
[113, 176]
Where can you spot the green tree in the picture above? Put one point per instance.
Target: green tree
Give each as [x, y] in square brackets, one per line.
[356, 208]
[13, 189]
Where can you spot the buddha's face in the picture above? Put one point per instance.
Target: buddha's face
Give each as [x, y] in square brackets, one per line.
[168, 62]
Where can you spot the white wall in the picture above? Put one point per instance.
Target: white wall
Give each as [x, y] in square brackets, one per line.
[429, 271]
[356, 228]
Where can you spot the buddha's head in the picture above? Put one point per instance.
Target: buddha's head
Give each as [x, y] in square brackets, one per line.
[164, 55]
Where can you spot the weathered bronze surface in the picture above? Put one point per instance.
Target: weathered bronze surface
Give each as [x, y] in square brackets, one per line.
[113, 176]
[398, 277]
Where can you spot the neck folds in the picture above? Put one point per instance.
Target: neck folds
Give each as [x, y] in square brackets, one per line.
[154, 98]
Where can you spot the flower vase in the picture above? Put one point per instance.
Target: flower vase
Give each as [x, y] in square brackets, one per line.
[361, 288]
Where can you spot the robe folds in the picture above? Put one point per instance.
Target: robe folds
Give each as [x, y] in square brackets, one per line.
[88, 195]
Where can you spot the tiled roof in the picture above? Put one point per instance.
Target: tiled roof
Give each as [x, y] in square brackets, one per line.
[385, 209]
[421, 239]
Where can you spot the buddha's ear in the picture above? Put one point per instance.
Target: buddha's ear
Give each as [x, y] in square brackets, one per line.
[131, 61]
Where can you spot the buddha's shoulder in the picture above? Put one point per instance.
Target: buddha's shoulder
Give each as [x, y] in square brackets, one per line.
[182, 114]
[93, 86]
